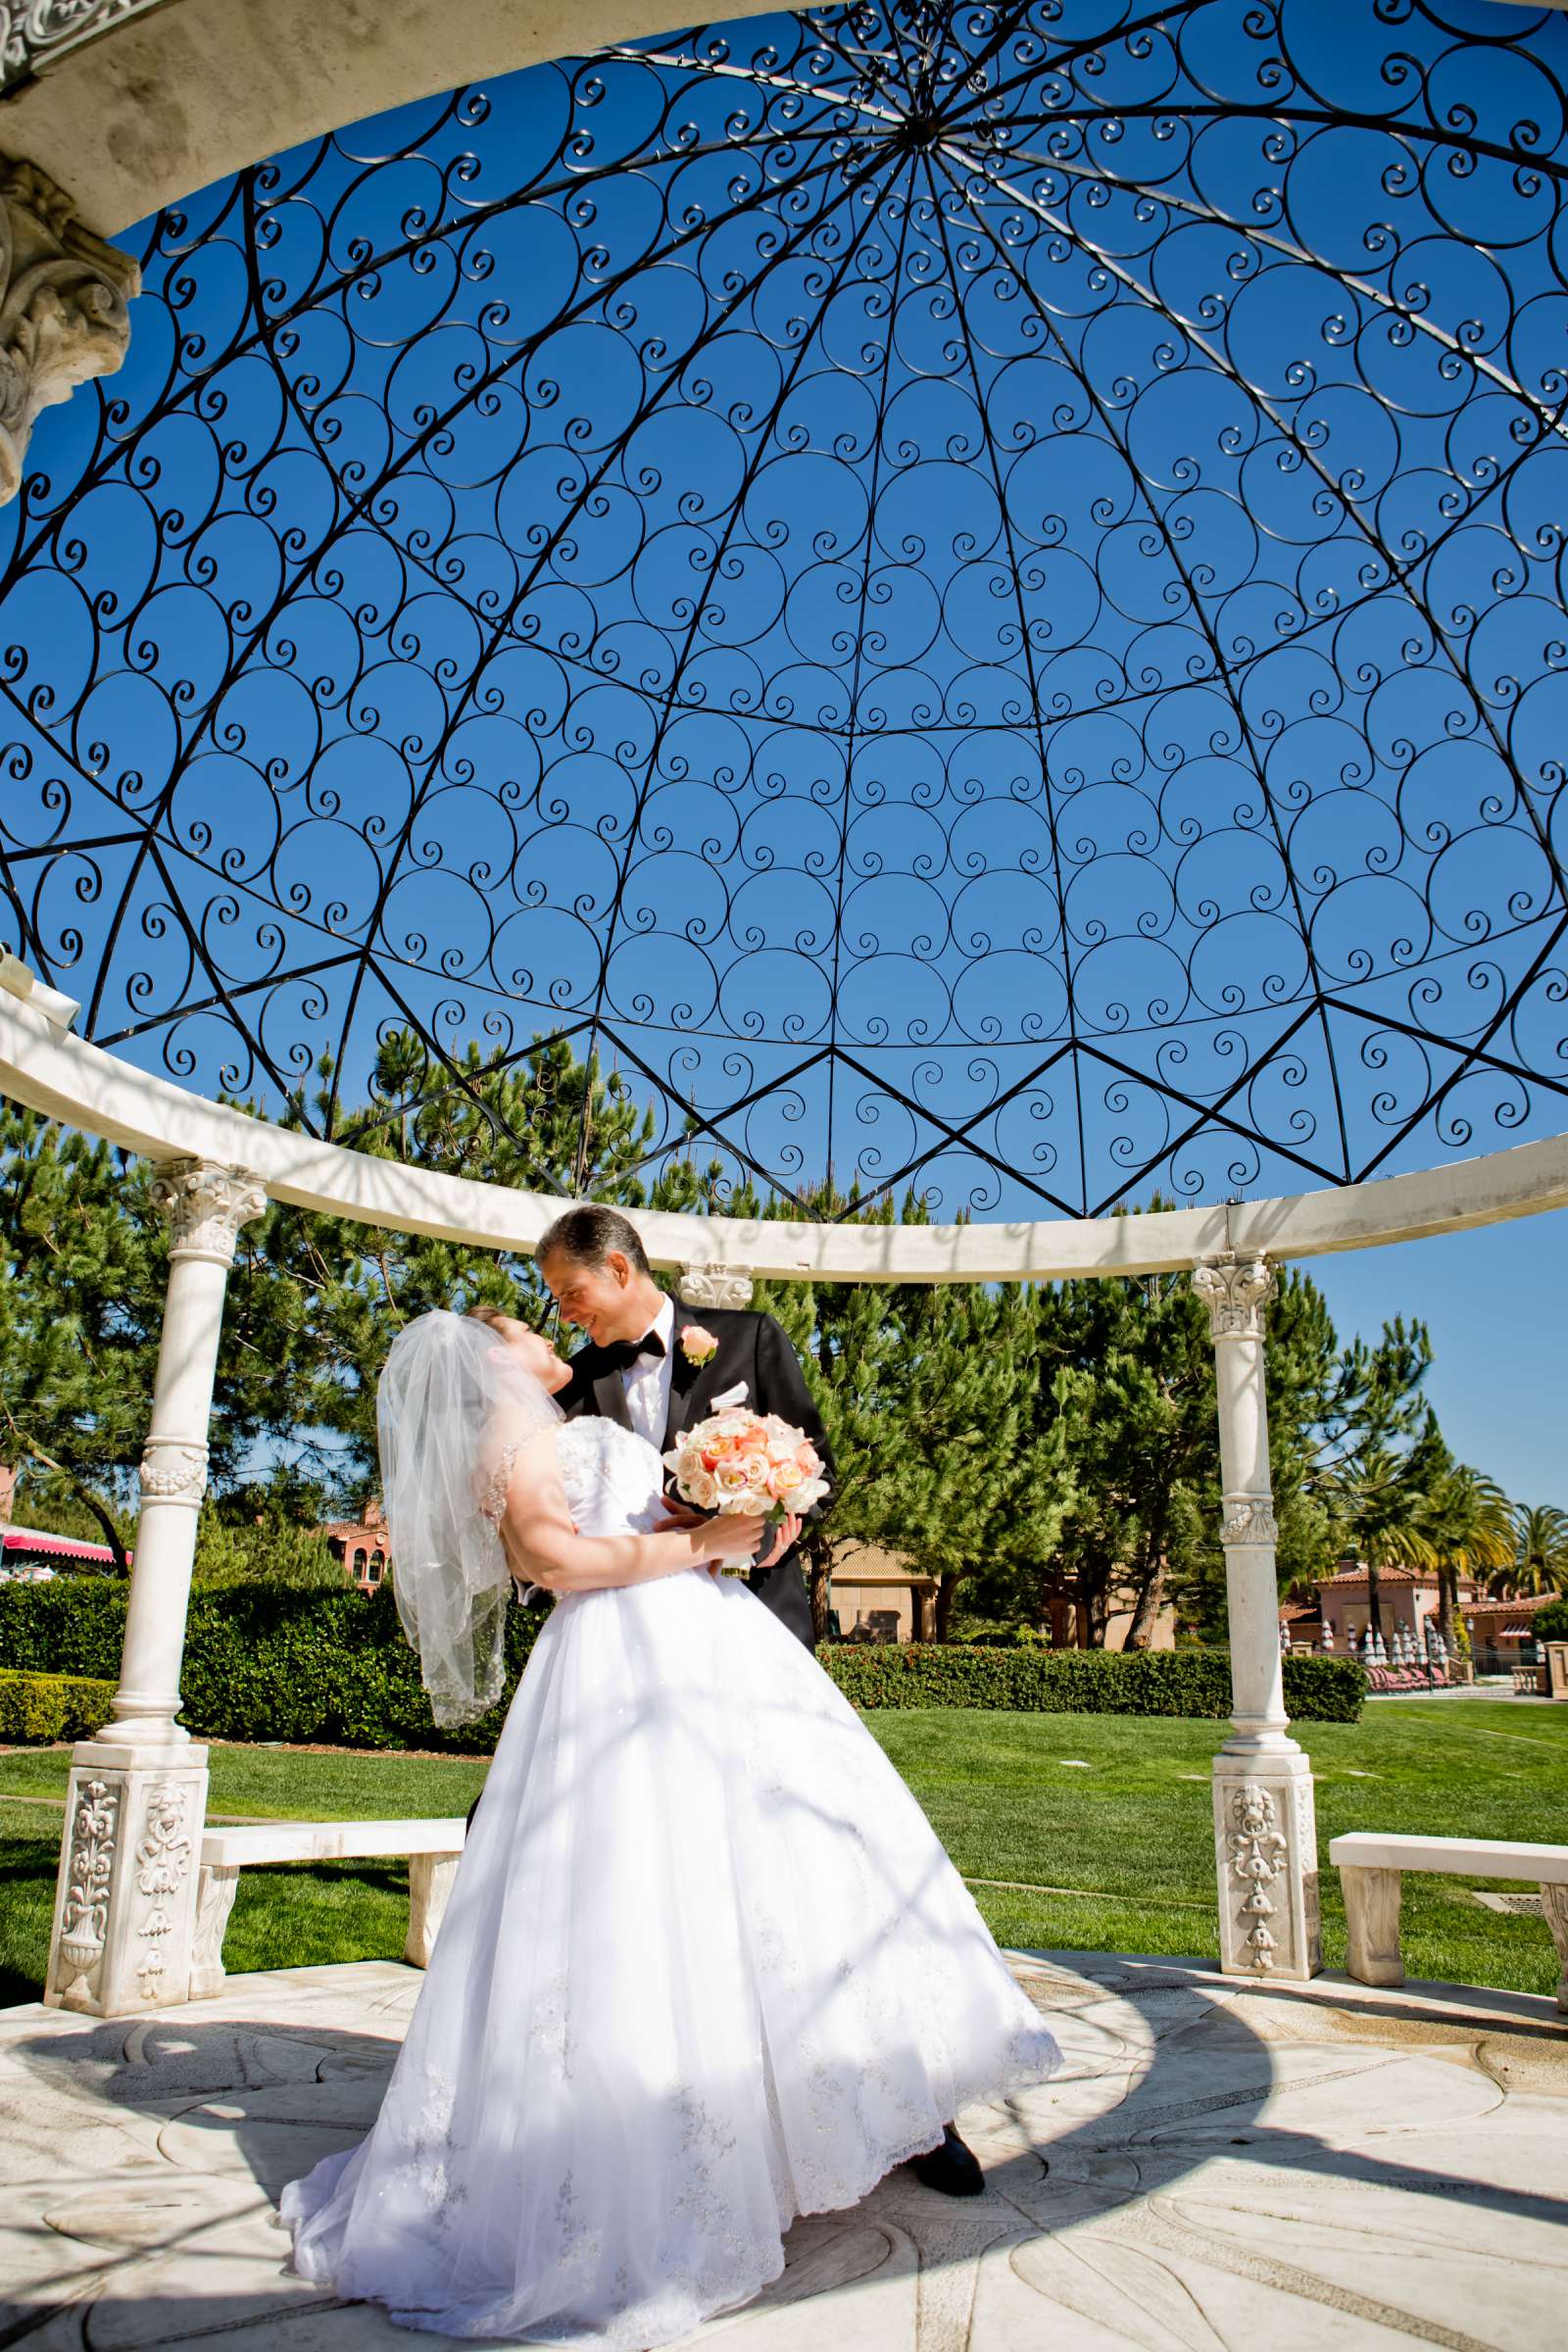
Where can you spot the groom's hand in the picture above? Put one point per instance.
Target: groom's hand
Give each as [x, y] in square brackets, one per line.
[784, 1539]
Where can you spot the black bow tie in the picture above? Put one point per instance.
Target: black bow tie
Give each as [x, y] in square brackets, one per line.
[621, 1354]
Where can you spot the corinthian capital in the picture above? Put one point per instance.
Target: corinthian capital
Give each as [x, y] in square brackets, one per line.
[1235, 1292]
[205, 1206]
[64, 313]
[714, 1286]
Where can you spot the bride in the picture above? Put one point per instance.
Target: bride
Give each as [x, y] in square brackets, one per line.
[705, 1966]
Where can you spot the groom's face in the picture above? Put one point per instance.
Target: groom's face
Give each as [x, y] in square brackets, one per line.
[602, 1300]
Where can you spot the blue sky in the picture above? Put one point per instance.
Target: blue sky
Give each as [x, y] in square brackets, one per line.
[1496, 1303]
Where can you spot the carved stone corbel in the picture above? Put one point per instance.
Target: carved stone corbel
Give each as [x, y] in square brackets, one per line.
[64, 307]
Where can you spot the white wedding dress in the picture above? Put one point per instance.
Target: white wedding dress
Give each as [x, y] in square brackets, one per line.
[705, 1967]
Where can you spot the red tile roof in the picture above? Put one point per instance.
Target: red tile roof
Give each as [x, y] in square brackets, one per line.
[1426, 1578]
[1386, 1576]
[1523, 1605]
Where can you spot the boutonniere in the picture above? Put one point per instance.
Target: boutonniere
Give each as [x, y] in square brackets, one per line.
[696, 1346]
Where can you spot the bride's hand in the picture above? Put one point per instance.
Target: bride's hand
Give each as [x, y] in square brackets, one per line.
[679, 1514]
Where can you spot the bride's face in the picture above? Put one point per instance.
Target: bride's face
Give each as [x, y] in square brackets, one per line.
[532, 1350]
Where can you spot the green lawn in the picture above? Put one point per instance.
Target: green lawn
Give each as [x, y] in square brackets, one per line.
[1103, 1820]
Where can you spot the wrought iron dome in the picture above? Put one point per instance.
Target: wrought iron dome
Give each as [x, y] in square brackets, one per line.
[968, 594]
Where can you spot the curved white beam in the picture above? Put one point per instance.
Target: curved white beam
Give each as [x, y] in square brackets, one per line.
[87, 1088]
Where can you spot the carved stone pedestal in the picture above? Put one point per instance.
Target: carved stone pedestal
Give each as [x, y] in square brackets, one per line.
[1372, 1925]
[1555, 1903]
[126, 1905]
[1265, 1853]
[432, 1879]
[216, 1888]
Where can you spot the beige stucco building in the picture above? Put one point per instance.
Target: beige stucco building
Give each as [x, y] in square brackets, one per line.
[1407, 1602]
[361, 1546]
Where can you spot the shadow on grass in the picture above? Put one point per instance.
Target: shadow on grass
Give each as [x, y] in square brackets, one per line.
[285, 1916]
[27, 1869]
[296, 1915]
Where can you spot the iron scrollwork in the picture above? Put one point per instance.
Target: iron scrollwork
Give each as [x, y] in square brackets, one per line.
[973, 593]
[36, 34]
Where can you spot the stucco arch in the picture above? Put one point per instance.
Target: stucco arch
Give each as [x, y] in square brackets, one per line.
[173, 96]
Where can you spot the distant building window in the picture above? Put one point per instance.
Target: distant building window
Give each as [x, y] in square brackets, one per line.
[375, 1568]
[358, 1563]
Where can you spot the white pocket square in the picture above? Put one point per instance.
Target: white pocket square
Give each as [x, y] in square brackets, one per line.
[734, 1396]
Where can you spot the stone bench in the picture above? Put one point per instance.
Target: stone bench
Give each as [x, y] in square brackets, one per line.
[433, 1848]
[1370, 1867]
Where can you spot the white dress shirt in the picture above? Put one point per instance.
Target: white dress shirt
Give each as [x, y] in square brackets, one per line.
[647, 1383]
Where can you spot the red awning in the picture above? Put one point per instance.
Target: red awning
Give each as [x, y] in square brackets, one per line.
[31, 1543]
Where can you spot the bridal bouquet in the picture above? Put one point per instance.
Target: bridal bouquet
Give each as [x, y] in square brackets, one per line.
[740, 1463]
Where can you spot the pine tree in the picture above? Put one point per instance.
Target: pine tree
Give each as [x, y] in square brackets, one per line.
[1040, 1449]
[84, 1276]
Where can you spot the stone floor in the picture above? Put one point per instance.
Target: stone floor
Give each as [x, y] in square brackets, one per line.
[1229, 2167]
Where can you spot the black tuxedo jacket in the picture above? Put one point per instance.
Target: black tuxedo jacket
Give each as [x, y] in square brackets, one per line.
[751, 1348]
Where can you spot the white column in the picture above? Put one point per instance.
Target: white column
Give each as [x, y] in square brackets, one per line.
[124, 1907]
[1266, 1830]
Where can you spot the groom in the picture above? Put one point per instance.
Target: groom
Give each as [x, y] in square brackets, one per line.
[657, 1368]
[654, 1366]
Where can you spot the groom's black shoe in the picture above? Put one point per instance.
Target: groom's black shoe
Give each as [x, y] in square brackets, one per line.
[951, 2167]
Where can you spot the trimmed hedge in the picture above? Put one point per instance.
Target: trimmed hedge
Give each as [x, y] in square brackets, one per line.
[265, 1662]
[1080, 1681]
[1551, 1623]
[38, 1708]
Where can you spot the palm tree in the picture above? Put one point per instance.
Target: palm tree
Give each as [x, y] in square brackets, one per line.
[1381, 1498]
[1537, 1560]
[1469, 1523]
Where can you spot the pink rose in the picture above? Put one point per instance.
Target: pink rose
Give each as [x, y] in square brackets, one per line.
[696, 1346]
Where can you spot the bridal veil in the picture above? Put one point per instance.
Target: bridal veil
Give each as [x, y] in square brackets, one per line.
[454, 1410]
